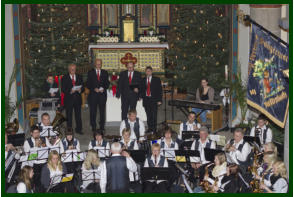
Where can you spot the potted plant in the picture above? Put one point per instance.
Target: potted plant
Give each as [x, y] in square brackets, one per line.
[151, 30]
[106, 31]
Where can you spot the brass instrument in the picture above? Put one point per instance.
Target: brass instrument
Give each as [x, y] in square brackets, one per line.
[12, 127]
[255, 183]
[205, 184]
[58, 121]
[40, 142]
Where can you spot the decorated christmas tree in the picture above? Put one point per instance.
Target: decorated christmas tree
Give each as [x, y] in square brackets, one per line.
[199, 45]
[56, 37]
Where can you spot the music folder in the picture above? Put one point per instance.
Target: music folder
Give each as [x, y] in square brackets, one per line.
[252, 139]
[184, 155]
[210, 153]
[190, 135]
[138, 156]
[16, 140]
[155, 173]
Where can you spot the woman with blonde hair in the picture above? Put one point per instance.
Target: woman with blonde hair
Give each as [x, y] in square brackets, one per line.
[53, 168]
[25, 180]
[91, 165]
[278, 180]
[270, 147]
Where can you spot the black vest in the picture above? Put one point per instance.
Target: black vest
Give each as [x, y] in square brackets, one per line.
[185, 126]
[206, 146]
[117, 175]
[136, 127]
[152, 164]
[132, 145]
[264, 134]
[172, 145]
[93, 143]
[65, 143]
[30, 141]
[250, 156]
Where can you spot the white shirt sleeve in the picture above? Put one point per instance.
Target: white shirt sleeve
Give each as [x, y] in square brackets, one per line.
[142, 129]
[131, 165]
[176, 146]
[269, 136]
[103, 180]
[180, 132]
[193, 145]
[280, 186]
[78, 146]
[213, 145]
[26, 146]
[146, 165]
[165, 165]
[122, 126]
[242, 156]
[252, 132]
[107, 149]
[90, 146]
[21, 188]
[136, 147]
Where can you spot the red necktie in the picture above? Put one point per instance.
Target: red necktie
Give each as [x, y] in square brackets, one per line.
[130, 78]
[73, 80]
[98, 75]
[148, 87]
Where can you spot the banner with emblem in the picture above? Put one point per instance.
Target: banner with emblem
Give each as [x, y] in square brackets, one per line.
[268, 83]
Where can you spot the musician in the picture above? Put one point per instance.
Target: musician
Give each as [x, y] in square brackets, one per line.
[278, 181]
[270, 147]
[218, 172]
[45, 121]
[151, 92]
[54, 167]
[50, 83]
[204, 94]
[98, 83]
[25, 182]
[156, 160]
[91, 162]
[72, 97]
[133, 123]
[200, 144]
[70, 142]
[190, 125]
[238, 150]
[231, 182]
[167, 143]
[266, 169]
[126, 142]
[262, 131]
[55, 142]
[115, 171]
[129, 96]
[98, 142]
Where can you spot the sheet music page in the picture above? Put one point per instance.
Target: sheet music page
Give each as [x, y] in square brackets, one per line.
[45, 131]
[169, 152]
[88, 175]
[102, 152]
[56, 147]
[53, 90]
[43, 153]
[75, 88]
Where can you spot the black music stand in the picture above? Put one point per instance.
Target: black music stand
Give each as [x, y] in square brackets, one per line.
[48, 132]
[102, 152]
[155, 174]
[187, 154]
[252, 139]
[186, 145]
[138, 156]
[72, 156]
[54, 181]
[187, 135]
[16, 140]
[210, 154]
[90, 175]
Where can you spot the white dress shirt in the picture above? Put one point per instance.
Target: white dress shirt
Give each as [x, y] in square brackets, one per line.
[99, 71]
[280, 186]
[28, 149]
[104, 152]
[21, 188]
[201, 151]
[136, 147]
[78, 146]
[269, 134]
[166, 150]
[165, 165]
[132, 73]
[190, 127]
[74, 76]
[238, 155]
[85, 183]
[133, 135]
[131, 165]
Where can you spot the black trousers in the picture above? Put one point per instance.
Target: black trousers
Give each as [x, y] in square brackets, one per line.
[151, 111]
[69, 110]
[152, 187]
[97, 99]
[136, 187]
[37, 177]
[127, 103]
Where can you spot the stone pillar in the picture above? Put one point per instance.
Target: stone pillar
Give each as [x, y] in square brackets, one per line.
[267, 15]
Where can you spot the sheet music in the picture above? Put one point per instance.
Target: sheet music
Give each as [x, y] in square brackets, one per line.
[72, 156]
[102, 151]
[75, 88]
[67, 177]
[48, 131]
[169, 152]
[43, 153]
[88, 175]
[53, 90]
[55, 147]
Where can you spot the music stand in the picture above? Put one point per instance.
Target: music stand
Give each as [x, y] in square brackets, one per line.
[102, 151]
[210, 154]
[138, 156]
[155, 174]
[16, 140]
[187, 135]
[48, 132]
[72, 156]
[186, 145]
[169, 153]
[187, 154]
[59, 179]
[252, 139]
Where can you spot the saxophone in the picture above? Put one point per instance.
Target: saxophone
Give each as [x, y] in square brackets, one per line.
[204, 183]
[255, 183]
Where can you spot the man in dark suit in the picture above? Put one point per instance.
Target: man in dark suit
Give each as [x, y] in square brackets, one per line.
[72, 97]
[151, 92]
[98, 83]
[128, 88]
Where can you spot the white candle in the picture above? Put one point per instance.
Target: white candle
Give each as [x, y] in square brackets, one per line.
[226, 72]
